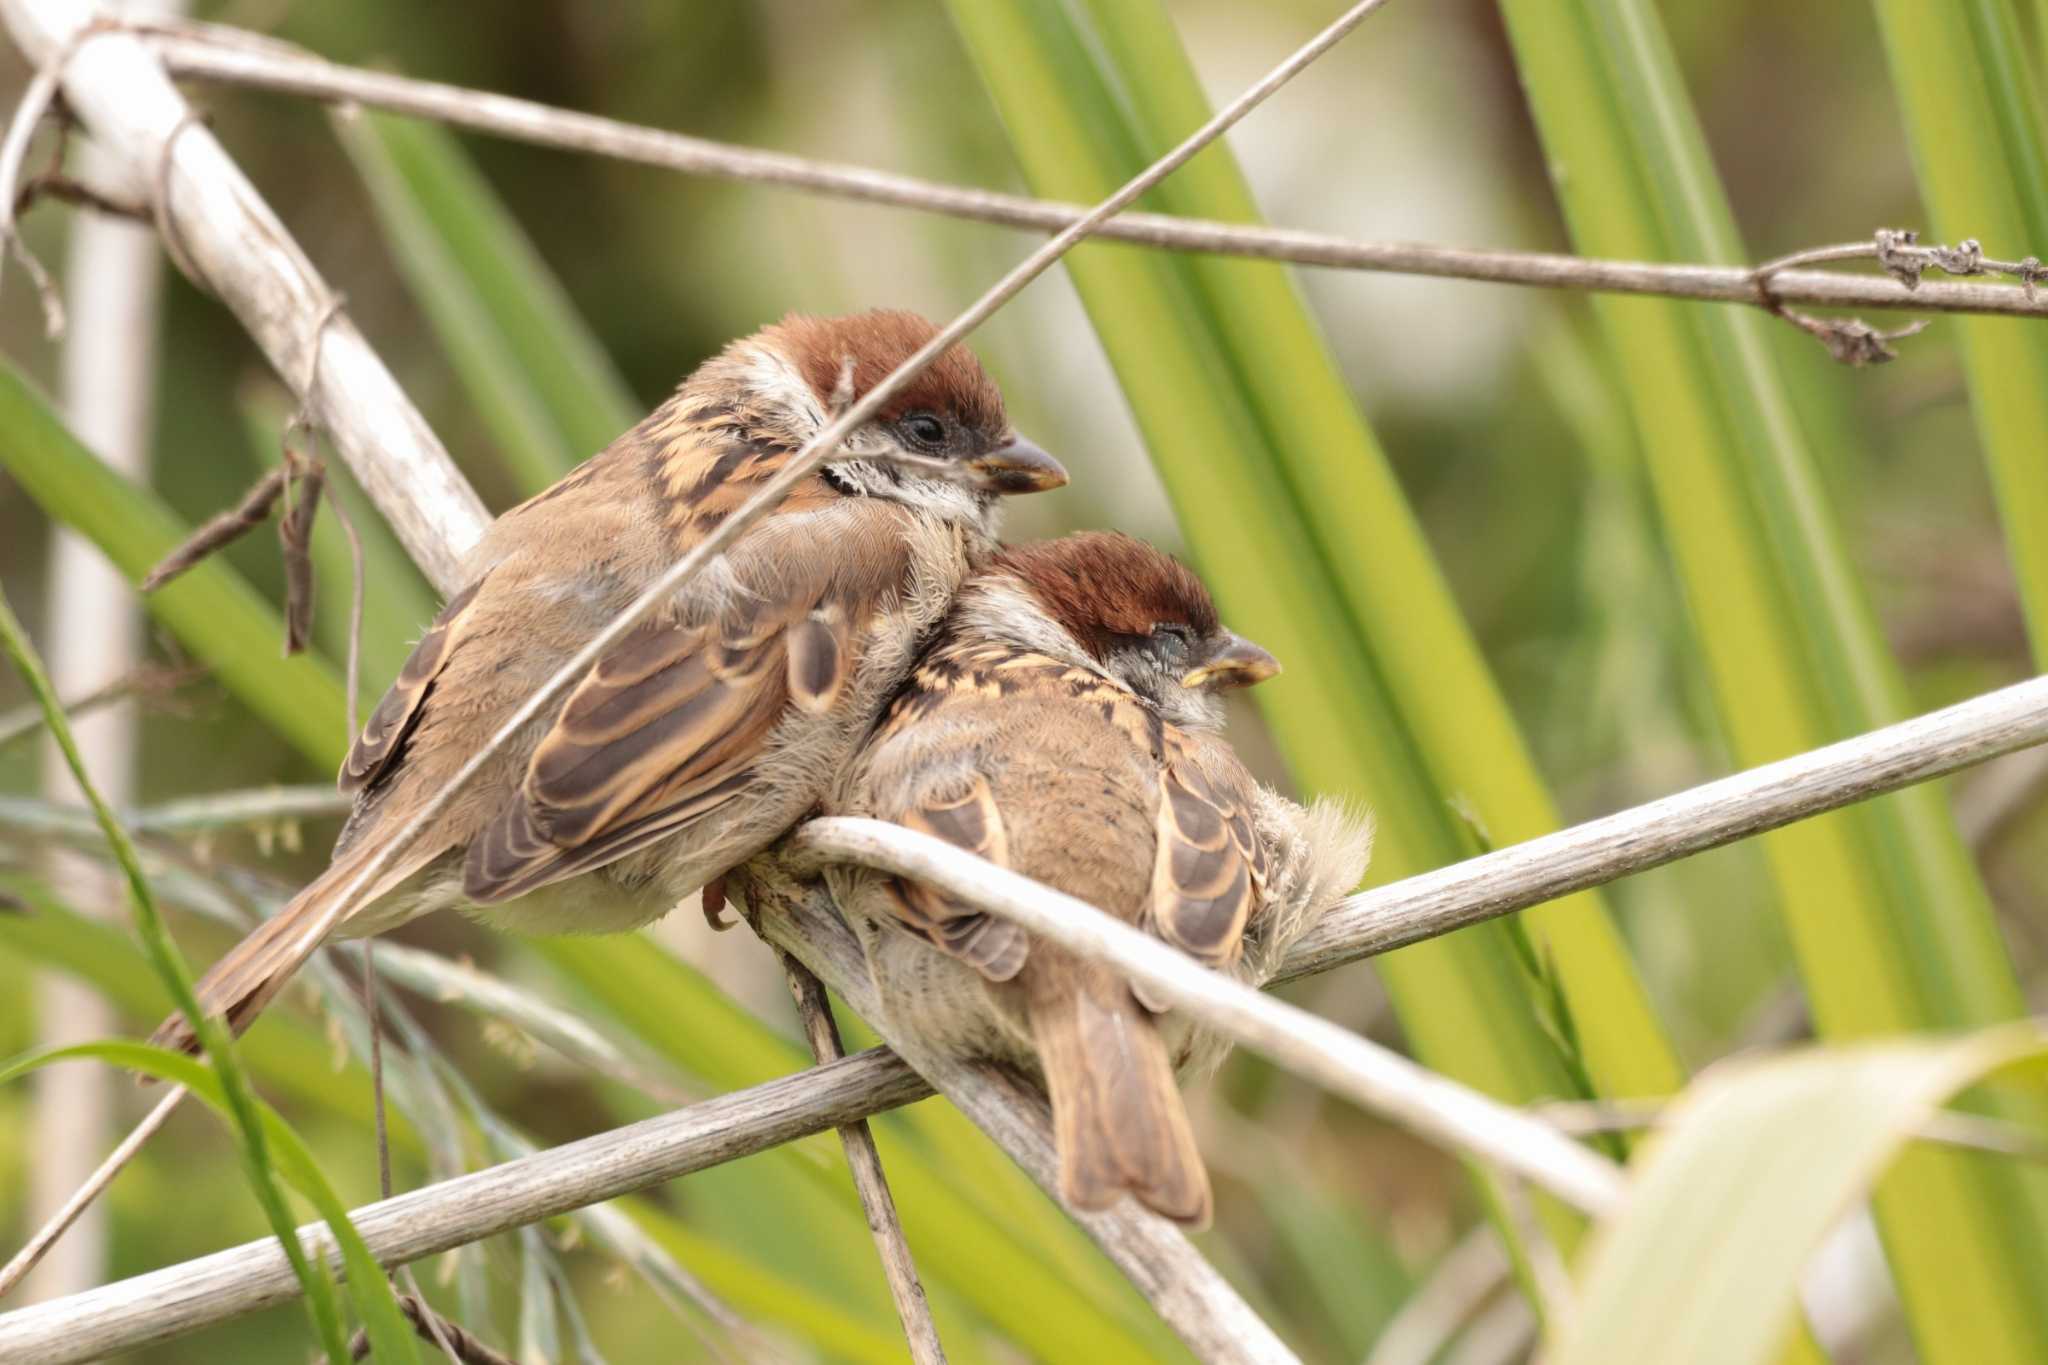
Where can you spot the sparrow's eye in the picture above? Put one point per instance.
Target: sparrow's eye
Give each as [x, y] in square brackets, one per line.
[925, 429]
[1174, 639]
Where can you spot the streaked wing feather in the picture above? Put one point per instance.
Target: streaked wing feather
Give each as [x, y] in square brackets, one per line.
[973, 821]
[1209, 874]
[662, 731]
[383, 738]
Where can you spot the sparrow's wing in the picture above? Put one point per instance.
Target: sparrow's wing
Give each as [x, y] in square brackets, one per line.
[665, 729]
[971, 820]
[376, 751]
[1209, 876]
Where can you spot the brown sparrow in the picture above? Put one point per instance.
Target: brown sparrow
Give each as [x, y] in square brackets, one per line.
[708, 730]
[1066, 723]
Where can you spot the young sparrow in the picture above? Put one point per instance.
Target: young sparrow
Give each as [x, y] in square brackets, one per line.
[1066, 723]
[708, 730]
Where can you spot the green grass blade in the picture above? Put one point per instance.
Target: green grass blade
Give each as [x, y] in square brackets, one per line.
[1890, 924]
[391, 1338]
[541, 383]
[293, 1060]
[170, 968]
[211, 610]
[1270, 464]
[759, 1294]
[1971, 110]
[1746, 1176]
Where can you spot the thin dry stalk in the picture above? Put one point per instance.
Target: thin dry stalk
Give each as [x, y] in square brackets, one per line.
[898, 1267]
[134, 1313]
[1381, 1080]
[295, 540]
[454, 1341]
[146, 681]
[60, 1222]
[230, 56]
[219, 530]
[1457, 1288]
[1692, 821]
[1945, 1128]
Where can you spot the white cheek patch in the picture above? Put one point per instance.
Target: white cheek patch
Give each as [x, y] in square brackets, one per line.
[1001, 609]
[769, 374]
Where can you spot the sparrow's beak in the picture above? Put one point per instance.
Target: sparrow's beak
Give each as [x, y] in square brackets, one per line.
[1237, 662]
[1019, 467]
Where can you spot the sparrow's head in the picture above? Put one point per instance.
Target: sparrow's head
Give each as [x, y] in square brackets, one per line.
[1137, 614]
[809, 368]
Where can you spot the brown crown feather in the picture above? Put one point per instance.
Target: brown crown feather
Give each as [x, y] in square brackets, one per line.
[879, 341]
[1102, 584]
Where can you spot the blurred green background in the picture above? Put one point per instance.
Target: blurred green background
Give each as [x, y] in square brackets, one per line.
[1500, 410]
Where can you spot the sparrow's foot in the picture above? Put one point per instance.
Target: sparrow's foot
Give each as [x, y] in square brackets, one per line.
[714, 904]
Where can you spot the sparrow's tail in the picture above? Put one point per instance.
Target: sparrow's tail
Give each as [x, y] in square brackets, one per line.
[237, 987]
[1118, 1120]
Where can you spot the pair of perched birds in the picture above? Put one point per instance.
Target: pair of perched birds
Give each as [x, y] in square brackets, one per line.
[869, 648]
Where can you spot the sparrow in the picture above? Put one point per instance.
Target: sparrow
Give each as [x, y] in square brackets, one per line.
[707, 731]
[1066, 723]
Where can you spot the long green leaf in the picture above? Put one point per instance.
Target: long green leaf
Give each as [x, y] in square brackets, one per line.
[1270, 465]
[294, 1061]
[210, 609]
[1758, 1160]
[542, 385]
[213, 1035]
[1890, 924]
[756, 1293]
[390, 1336]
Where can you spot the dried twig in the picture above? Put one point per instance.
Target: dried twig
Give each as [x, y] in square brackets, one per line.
[308, 479]
[232, 57]
[221, 529]
[36, 100]
[144, 682]
[352, 688]
[1899, 251]
[1852, 341]
[898, 1267]
[116, 87]
[67, 190]
[1677, 826]
[38, 1246]
[456, 1343]
[1464, 1278]
[171, 1302]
